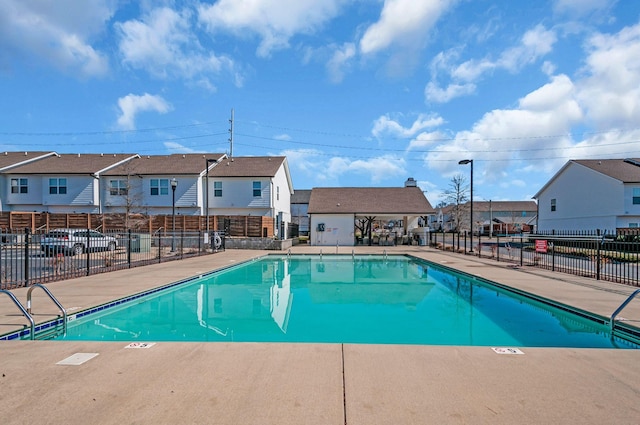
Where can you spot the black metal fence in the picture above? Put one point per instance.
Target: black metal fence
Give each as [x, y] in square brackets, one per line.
[603, 255]
[27, 258]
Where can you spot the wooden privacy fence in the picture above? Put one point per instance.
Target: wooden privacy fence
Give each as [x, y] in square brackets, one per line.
[246, 226]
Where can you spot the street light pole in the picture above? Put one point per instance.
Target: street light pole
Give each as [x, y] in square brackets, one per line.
[174, 185]
[465, 162]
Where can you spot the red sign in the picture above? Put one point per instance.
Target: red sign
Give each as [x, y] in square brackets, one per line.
[541, 246]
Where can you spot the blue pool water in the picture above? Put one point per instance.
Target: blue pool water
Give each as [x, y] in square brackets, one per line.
[340, 299]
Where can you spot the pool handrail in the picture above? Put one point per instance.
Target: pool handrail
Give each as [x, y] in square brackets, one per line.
[54, 299]
[22, 309]
[612, 321]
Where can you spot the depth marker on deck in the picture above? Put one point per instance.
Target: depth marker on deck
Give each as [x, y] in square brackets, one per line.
[141, 345]
[506, 350]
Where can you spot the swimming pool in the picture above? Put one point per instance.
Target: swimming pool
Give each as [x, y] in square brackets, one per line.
[341, 299]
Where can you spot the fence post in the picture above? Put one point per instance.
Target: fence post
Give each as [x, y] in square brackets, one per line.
[88, 250]
[182, 243]
[598, 255]
[498, 248]
[27, 231]
[129, 247]
[199, 242]
[479, 245]
[159, 247]
[465, 241]
[553, 257]
[521, 251]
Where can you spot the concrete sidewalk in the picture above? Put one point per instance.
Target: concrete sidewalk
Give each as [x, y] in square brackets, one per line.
[247, 383]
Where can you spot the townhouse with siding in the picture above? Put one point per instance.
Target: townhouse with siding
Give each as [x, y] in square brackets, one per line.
[205, 184]
[591, 194]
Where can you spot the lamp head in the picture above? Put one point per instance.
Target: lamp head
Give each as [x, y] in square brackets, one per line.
[174, 183]
[465, 161]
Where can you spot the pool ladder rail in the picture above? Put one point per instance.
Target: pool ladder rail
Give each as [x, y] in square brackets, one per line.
[26, 312]
[612, 321]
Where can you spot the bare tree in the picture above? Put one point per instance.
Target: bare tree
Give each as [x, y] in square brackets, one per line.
[127, 197]
[456, 196]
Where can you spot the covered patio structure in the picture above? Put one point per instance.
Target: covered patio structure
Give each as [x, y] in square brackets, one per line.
[348, 216]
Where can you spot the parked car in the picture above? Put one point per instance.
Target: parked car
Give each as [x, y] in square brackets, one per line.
[76, 241]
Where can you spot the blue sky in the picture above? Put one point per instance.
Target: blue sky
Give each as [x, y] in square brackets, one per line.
[353, 92]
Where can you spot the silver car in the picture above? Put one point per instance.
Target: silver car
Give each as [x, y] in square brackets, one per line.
[76, 241]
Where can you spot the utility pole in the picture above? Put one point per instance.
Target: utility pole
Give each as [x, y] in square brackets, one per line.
[231, 135]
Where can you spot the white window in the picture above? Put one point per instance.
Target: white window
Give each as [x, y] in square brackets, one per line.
[217, 189]
[159, 187]
[553, 204]
[257, 189]
[636, 196]
[58, 186]
[19, 186]
[118, 187]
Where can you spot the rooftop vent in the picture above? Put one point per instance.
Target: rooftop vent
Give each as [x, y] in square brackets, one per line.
[632, 162]
[411, 182]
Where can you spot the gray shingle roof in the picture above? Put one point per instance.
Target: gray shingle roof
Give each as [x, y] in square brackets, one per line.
[8, 159]
[71, 164]
[618, 169]
[175, 164]
[248, 166]
[369, 200]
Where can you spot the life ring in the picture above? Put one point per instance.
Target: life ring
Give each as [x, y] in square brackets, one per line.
[217, 241]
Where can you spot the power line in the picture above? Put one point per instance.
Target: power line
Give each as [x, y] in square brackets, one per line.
[106, 132]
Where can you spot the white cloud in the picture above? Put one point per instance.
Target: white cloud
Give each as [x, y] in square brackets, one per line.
[333, 170]
[402, 22]
[424, 140]
[175, 147]
[339, 62]
[131, 104]
[274, 21]
[384, 125]
[56, 32]
[435, 94]
[581, 7]
[610, 89]
[538, 128]
[163, 44]
[386, 167]
[534, 44]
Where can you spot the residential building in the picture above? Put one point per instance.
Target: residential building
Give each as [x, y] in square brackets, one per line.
[253, 185]
[143, 184]
[60, 183]
[205, 185]
[12, 187]
[591, 194]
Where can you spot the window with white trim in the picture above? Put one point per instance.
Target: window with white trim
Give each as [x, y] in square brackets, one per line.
[636, 196]
[118, 188]
[19, 185]
[553, 204]
[159, 187]
[58, 186]
[257, 189]
[217, 189]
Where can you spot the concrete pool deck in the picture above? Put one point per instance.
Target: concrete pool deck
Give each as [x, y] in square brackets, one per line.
[249, 383]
